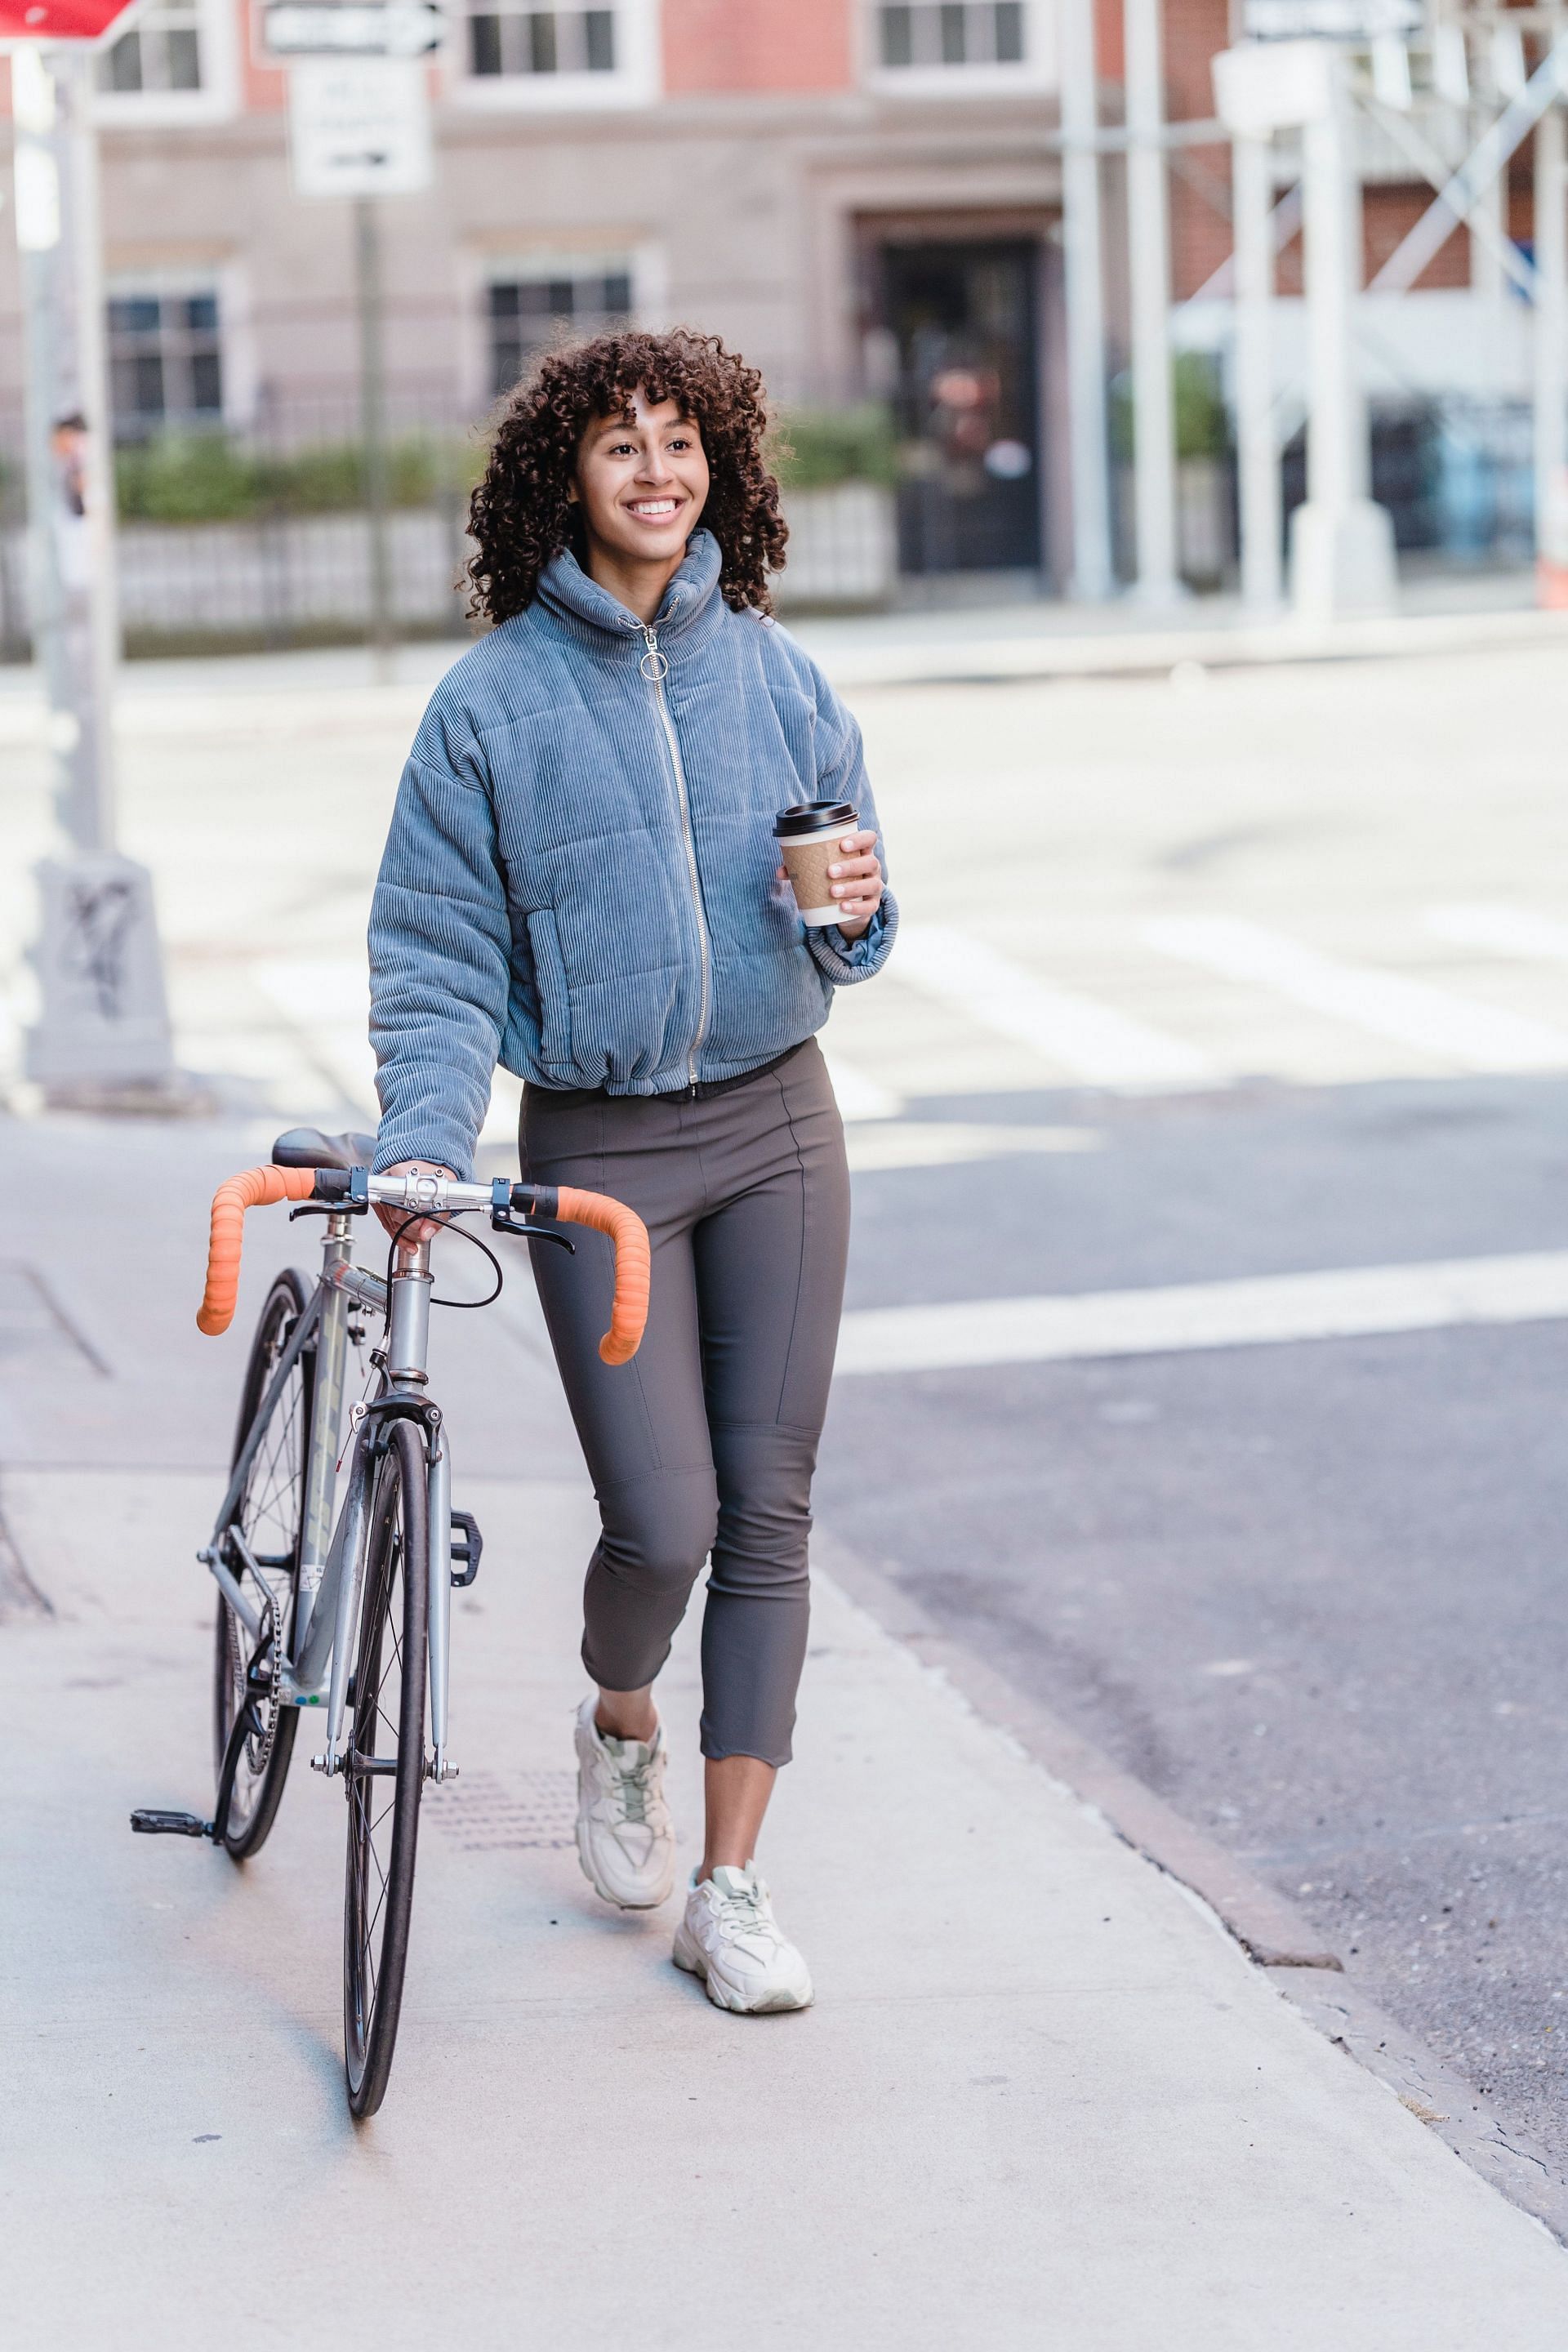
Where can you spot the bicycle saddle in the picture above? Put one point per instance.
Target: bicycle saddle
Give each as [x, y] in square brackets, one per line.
[307, 1147]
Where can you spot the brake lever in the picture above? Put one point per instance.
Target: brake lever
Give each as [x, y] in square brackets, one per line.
[502, 1224]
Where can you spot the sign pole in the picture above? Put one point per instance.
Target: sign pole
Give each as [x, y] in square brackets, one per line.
[102, 1038]
[373, 418]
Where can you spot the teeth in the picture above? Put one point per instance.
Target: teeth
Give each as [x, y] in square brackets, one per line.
[653, 506]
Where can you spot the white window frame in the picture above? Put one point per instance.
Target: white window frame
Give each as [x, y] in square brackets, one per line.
[236, 355]
[1035, 70]
[218, 99]
[634, 79]
[646, 262]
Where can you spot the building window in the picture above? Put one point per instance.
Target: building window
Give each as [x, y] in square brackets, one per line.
[527, 311]
[178, 64]
[164, 52]
[166, 364]
[955, 33]
[517, 39]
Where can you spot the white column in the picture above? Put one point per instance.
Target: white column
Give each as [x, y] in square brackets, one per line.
[1093, 578]
[1551, 239]
[1149, 277]
[1342, 544]
[1257, 442]
[103, 1034]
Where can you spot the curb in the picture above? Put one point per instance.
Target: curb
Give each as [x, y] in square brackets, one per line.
[1269, 1930]
[1111, 654]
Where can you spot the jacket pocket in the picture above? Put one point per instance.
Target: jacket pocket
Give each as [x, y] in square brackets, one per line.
[550, 986]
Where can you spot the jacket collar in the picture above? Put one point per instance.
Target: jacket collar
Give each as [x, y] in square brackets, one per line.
[691, 609]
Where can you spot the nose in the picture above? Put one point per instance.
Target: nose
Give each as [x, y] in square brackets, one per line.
[653, 468]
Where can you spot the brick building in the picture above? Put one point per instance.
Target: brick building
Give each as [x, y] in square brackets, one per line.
[863, 197]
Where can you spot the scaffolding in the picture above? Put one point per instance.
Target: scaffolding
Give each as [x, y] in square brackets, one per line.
[1455, 88]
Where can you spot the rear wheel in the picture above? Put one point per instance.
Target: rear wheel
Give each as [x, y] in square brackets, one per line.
[385, 1766]
[270, 1516]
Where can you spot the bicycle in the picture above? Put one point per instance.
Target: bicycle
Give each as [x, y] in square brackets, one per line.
[352, 1613]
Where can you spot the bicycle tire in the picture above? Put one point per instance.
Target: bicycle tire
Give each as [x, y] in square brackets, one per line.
[271, 1516]
[386, 1729]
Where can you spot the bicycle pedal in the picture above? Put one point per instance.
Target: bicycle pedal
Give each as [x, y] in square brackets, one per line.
[152, 1824]
[468, 1549]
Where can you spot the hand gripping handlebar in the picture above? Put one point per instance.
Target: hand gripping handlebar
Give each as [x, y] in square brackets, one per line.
[259, 1186]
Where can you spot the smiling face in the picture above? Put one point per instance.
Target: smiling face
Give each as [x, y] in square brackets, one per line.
[642, 487]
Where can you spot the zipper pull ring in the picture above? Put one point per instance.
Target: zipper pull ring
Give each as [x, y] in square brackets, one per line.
[653, 664]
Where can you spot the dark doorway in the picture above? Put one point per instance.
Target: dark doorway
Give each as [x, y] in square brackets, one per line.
[964, 319]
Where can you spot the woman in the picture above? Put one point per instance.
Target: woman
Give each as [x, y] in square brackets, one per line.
[581, 879]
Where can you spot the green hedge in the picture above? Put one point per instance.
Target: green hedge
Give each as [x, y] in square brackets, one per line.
[206, 477]
[817, 449]
[202, 478]
[1203, 423]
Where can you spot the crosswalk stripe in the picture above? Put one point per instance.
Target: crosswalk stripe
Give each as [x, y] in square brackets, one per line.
[859, 1094]
[1092, 1040]
[1503, 930]
[1457, 1030]
[885, 1144]
[1345, 1303]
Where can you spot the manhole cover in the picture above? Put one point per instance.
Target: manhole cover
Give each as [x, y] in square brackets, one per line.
[481, 1812]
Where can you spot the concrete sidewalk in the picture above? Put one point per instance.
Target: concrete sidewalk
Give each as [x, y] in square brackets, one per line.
[1043, 2097]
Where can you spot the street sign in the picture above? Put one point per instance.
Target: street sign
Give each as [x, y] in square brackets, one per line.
[382, 28]
[1360, 21]
[1261, 87]
[359, 127]
[55, 21]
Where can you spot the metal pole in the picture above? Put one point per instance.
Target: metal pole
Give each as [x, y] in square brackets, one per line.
[1343, 545]
[373, 418]
[1149, 261]
[1093, 578]
[103, 1032]
[1258, 443]
[1550, 237]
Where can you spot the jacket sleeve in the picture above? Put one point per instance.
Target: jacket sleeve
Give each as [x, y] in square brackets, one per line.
[440, 960]
[841, 776]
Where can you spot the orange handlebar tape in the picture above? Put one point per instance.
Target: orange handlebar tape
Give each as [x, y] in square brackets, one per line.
[254, 1189]
[633, 1266]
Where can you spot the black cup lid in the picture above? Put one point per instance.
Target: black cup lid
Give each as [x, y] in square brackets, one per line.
[814, 817]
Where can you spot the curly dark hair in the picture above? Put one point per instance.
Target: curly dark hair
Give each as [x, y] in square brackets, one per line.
[519, 516]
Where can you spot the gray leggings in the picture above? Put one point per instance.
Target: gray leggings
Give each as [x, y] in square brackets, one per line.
[705, 1443]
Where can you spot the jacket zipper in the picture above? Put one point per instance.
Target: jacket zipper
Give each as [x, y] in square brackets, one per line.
[655, 667]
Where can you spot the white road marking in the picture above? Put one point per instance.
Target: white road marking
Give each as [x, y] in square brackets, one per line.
[1503, 930]
[912, 1143]
[1457, 1030]
[859, 1094]
[1092, 1040]
[1346, 1303]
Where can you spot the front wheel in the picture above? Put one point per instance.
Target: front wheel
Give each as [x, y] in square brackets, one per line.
[270, 1517]
[385, 1766]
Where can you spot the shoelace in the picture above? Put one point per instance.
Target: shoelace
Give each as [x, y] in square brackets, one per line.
[632, 1788]
[744, 1914]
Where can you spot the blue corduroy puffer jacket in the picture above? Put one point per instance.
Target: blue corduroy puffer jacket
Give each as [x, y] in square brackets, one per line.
[579, 880]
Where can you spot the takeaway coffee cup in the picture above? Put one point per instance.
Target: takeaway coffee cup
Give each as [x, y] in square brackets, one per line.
[810, 836]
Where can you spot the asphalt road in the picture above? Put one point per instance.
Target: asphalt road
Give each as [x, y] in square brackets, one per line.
[1312, 1593]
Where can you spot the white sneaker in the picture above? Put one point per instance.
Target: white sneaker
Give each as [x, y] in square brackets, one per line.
[625, 1839]
[730, 1939]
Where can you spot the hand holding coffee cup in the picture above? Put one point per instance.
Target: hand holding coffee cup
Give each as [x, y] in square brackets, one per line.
[830, 864]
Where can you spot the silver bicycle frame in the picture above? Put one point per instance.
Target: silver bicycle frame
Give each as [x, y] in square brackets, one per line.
[331, 1564]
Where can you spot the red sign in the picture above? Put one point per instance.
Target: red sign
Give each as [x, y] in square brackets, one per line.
[61, 20]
